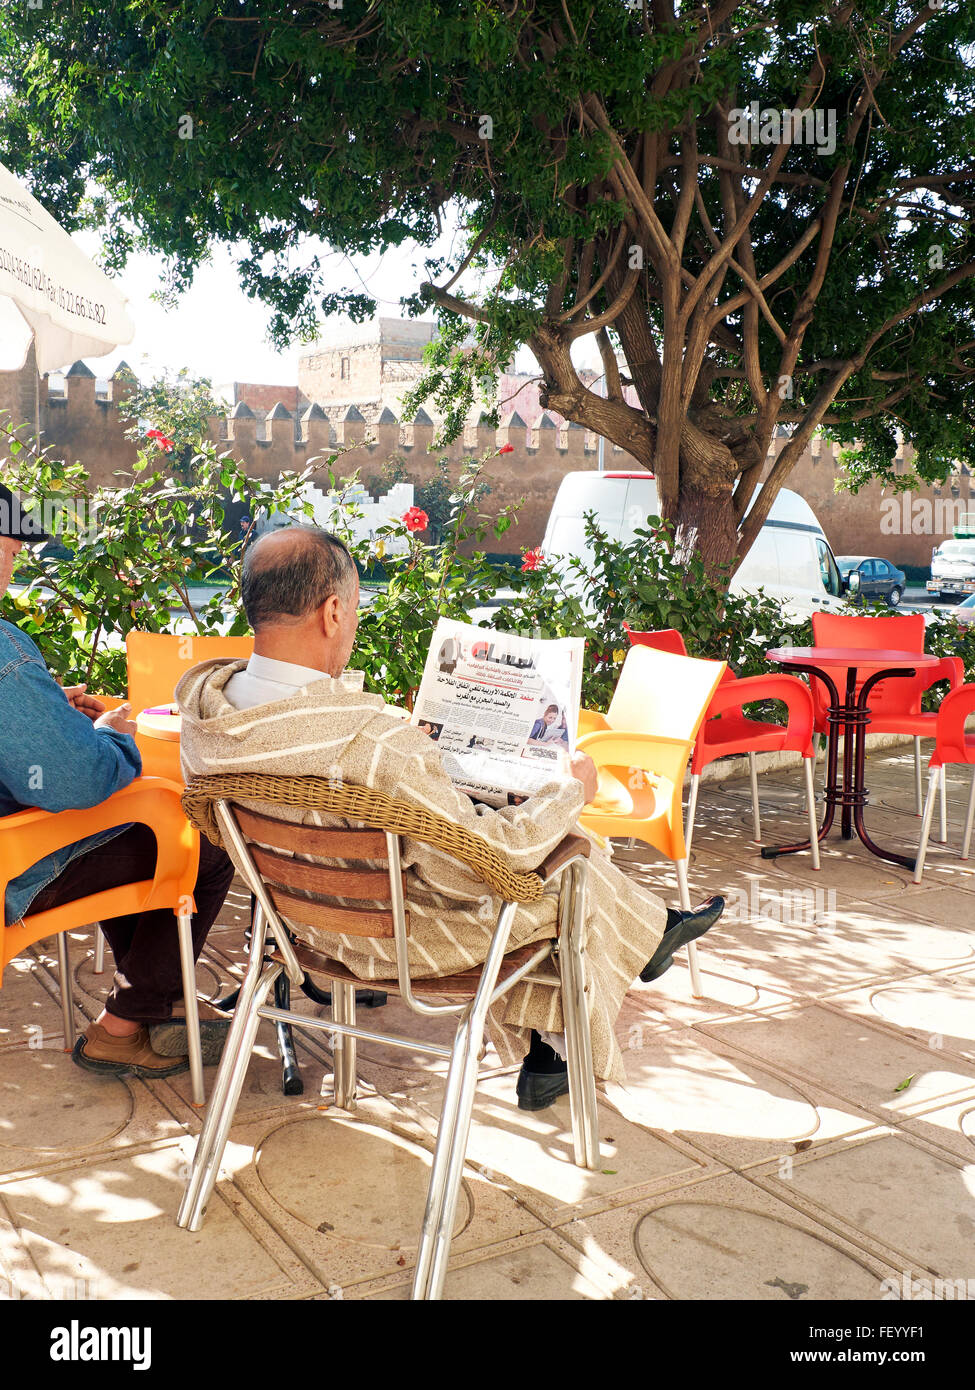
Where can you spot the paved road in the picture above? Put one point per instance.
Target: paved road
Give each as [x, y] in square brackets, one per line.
[916, 600]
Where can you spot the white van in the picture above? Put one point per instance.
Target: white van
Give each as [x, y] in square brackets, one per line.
[791, 558]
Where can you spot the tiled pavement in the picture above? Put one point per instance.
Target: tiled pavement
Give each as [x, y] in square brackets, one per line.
[765, 1147]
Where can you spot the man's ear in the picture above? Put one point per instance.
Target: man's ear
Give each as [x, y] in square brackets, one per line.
[330, 615]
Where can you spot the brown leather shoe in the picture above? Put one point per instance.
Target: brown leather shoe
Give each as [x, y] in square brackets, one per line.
[98, 1050]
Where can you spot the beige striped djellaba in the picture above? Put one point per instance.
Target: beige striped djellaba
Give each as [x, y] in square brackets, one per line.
[328, 730]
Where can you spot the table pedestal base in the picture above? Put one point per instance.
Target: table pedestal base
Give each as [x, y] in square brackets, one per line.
[847, 719]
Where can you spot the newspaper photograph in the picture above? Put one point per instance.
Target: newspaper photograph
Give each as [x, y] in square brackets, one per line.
[502, 709]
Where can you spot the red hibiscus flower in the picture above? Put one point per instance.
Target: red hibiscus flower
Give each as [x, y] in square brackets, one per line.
[532, 560]
[161, 440]
[506, 449]
[416, 519]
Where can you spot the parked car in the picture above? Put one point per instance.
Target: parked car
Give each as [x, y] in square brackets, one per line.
[952, 568]
[876, 578]
[964, 613]
[790, 560]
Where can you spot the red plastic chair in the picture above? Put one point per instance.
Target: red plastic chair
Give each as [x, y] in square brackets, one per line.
[951, 745]
[727, 729]
[895, 706]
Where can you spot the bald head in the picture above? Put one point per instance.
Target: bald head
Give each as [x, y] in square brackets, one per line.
[289, 574]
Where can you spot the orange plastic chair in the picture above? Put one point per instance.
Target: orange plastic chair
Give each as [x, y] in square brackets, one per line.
[951, 745]
[157, 662]
[641, 748]
[727, 729]
[27, 836]
[895, 706]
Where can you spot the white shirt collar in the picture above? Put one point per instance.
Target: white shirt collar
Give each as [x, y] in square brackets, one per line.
[283, 672]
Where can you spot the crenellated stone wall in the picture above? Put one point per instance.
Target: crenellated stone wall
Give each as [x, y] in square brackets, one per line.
[80, 423]
[903, 527]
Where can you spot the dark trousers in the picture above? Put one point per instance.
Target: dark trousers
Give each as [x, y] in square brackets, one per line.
[145, 944]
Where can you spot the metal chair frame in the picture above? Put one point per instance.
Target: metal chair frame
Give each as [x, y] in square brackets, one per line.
[455, 1121]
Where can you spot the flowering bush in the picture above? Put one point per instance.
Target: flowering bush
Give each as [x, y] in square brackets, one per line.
[426, 583]
[132, 555]
[137, 553]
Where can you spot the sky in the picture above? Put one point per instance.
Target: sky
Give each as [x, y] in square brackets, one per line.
[216, 331]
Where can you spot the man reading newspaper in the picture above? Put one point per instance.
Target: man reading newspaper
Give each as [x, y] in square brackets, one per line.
[284, 711]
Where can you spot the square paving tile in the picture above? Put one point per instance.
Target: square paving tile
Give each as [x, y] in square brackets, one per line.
[936, 1010]
[531, 1153]
[916, 1203]
[51, 1111]
[850, 1057]
[347, 1191]
[108, 1225]
[724, 1239]
[725, 1103]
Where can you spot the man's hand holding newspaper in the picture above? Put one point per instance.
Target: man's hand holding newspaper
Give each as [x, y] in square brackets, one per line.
[583, 769]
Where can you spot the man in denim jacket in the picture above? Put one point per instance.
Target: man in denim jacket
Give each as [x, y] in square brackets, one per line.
[59, 750]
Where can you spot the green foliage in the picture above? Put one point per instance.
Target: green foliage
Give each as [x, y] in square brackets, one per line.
[174, 125]
[130, 555]
[428, 582]
[648, 585]
[436, 496]
[948, 637]
[180, 406]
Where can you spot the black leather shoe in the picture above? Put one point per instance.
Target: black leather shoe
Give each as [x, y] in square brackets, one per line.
[539, 1090]
[687, 926]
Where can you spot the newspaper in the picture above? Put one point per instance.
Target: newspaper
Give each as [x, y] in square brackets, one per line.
[503, 709]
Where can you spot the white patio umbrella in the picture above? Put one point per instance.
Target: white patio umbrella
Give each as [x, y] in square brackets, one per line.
[50, 292]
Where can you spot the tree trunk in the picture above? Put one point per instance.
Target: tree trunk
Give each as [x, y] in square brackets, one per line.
[705, 524]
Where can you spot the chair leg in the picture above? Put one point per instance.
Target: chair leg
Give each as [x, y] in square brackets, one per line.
[922, 849]
[343, 1052]
[966, 842]
[67, 996]
[807, 764]
[455, 1125]
[291, 1082]
[578, 1035]
[188, 966]
[455, 1167]
[223, 1102]
[99, 949]
[691, 811]
[943, 823]
[461, 1077]
[756, 813]
[816, 740]
[815, 755]
[918, 792]
[697, 990]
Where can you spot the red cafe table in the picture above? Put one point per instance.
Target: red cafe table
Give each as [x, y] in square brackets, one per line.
[848, 719]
